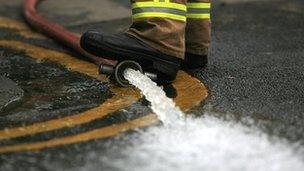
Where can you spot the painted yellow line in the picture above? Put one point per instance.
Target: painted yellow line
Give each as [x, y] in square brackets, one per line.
[20, 27]
[42, 54]
[83, 137]
[122, 98]
[109, 106]
[191, 93]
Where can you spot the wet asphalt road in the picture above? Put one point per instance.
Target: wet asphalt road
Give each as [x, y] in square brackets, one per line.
[256, 66]
[255, 69]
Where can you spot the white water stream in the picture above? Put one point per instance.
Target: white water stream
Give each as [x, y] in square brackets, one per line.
[205, 143]
[196, 144]
[163, 106]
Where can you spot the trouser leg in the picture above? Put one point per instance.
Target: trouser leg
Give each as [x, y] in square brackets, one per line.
[198, 32]
[161, 24]
[198, 29]
[156, 39]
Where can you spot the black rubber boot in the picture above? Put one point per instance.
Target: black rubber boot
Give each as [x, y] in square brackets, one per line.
[193, 61]
[126, 47]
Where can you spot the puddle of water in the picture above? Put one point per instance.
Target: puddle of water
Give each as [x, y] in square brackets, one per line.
[205, 143]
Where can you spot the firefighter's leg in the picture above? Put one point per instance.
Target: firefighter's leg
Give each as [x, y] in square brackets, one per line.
[198, 33]
[156, 37]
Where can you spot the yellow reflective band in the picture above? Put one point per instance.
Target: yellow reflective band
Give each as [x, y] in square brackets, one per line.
[199, 16]
[161, 9]
[198, 10]
[161, 1]
[198, 5]
[159, 4]
[159, 14]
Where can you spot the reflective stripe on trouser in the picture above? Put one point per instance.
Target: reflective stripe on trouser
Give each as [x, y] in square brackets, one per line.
[198, 28]
[160, 24]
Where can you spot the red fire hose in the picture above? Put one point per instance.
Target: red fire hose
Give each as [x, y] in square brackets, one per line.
[57, 32]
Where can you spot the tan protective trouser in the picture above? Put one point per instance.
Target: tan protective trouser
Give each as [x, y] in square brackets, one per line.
[198, 32]
[162, 25]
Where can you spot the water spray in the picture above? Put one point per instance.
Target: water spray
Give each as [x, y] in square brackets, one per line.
[206, 143]
[129, 72]
[162, 106]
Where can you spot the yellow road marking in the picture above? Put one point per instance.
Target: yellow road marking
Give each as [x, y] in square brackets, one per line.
[42, 54]
[109, 106]
[122, 98]
[191, 92]
[185, 100]
[82, 137]
[20, 27]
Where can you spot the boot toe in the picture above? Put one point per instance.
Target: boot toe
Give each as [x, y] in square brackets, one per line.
[125, 47]
[91, 40]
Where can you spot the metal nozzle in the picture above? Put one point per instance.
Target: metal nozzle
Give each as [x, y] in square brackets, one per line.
[118, 71]
[106, 69]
